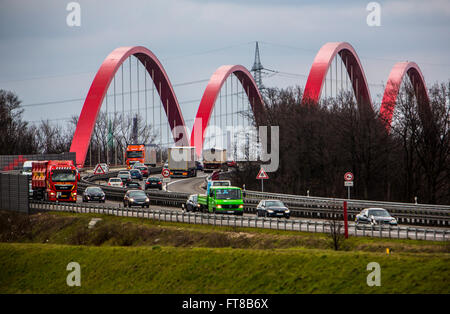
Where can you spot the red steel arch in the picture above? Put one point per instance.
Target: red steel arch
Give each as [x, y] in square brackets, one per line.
[210, 95]
[321, 64]
[99, 87]
[392, 89]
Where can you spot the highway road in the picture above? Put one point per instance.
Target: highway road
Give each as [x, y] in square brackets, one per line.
[195, 185]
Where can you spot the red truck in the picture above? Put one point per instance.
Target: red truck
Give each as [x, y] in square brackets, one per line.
[55, 180]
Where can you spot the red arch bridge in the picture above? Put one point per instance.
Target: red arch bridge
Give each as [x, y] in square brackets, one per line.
[217, 103]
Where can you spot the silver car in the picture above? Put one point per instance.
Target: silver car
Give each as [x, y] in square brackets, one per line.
[375, 216]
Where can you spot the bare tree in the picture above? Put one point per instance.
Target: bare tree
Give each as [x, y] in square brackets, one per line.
[336, 226]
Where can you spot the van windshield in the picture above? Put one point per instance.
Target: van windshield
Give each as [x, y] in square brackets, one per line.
[228, 194]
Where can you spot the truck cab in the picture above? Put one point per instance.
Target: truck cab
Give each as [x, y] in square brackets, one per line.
[55, 180]
[222, 199]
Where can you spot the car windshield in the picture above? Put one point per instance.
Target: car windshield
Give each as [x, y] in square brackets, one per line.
[63, 175]
[94, 190]
[134, 171]
[274, 203]
[138, 194]
[27, 169]
[134, 154]
[228, 194]
[124, 174]
[379, 213]
[154, 179]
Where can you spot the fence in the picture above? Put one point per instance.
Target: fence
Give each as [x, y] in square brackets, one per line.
[246, 221]
[15, 162]
[14, 190]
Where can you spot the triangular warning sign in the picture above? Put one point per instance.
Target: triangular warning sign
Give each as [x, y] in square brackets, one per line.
[262, 174]
[99, 169]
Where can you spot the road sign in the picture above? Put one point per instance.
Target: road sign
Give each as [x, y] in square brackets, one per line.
[262, 174]
[165, 173]
[99, 169]
[348, 176]
[165, 180]
[348, 183]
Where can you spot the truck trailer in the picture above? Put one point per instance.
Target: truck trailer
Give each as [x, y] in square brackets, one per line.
[214, 159]
[182, 162]
[55, 180]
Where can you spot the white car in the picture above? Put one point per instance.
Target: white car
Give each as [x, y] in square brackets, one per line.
[117, 182]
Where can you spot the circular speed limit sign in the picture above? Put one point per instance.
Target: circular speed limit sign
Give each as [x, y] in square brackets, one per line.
[348, 176]
[165, 173]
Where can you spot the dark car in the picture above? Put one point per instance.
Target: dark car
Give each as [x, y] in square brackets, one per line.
[192, 203]
[153, 183]
[93, 194]
[272, 208]
[124, 176]
[142, 168]
[136, 174]
[136, 198]
[199, 165]
[133, 185]
[375, 216]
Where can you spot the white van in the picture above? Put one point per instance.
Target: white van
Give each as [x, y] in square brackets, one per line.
[26, 170]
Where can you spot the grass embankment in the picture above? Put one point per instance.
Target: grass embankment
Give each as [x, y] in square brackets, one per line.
[129, 255]
[41, 268]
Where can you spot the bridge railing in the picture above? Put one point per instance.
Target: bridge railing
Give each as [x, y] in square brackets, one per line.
[245, 221]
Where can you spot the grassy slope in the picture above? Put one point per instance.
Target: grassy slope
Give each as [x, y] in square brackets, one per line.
[41, 268]
[119, 255]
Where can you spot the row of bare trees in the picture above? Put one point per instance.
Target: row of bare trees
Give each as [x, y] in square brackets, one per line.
[319, 143]
[111, 134]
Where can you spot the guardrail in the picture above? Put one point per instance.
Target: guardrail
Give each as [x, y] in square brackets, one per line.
[243, 221]
[300, 206]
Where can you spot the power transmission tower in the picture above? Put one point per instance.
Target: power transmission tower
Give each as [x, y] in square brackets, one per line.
[257, 69]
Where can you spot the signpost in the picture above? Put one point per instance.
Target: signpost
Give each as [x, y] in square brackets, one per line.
[166, 176]
[262, 175]
[345, 220]
[348, 182]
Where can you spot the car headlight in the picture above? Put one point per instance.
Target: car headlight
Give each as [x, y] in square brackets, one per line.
[287, 211]
[218, 206]
[131, 199]
[147, 200]
[270, 211]
[241, 206]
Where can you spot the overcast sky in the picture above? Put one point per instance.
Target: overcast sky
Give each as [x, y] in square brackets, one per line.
[45, 60]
